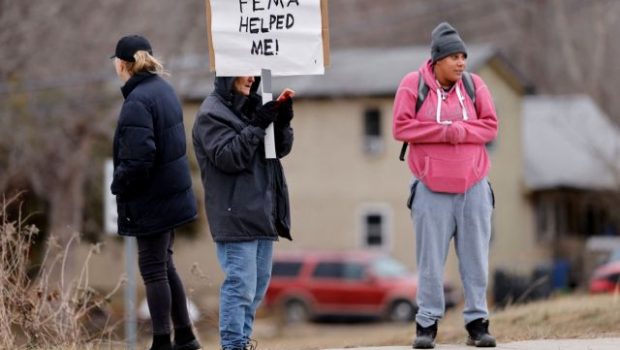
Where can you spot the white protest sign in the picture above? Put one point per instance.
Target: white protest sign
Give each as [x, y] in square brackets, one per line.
[284, 36]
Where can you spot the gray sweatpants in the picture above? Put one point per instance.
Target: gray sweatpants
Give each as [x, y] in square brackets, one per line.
[439, 217]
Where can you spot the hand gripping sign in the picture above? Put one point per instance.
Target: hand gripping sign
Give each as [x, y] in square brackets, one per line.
[267, 38]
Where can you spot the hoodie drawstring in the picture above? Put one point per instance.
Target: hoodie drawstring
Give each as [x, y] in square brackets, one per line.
[461, 102]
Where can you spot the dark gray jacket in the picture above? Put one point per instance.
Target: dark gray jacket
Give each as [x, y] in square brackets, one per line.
[246, 196]
[151, 181]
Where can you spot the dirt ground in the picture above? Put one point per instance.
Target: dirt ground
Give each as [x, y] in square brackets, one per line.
[581, 316]
[320, 335]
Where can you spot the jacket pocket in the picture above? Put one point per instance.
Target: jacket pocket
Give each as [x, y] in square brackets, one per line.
[448, 175]
[126, 215]
[412, 194]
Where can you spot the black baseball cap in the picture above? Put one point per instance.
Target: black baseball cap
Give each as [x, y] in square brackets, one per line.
[128, 45]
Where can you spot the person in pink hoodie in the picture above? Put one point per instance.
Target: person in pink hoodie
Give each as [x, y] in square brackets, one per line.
[451, 197]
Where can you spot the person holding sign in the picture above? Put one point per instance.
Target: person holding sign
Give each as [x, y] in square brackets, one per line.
[153, 186]
[246, 196]
[447, 129]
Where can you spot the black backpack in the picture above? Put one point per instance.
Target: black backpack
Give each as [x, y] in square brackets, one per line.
[423, 91]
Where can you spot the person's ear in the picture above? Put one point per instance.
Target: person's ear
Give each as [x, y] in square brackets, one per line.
[122, 66]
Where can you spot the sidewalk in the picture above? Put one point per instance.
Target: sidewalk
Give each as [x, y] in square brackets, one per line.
[551, 344]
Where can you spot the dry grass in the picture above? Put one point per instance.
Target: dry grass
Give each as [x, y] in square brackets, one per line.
[568, 316]
[576, 316]
[39, 313]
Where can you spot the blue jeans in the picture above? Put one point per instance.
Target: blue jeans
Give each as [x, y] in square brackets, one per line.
[247, 266]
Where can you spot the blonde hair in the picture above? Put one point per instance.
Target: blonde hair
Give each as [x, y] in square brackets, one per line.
[145, 62]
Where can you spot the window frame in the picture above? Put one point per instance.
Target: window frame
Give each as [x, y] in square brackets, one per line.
[385, 211]
[373, 144]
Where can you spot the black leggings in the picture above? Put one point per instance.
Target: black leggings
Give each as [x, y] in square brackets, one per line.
[164, 290]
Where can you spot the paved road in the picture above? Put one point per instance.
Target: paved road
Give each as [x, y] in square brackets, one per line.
[560, 344]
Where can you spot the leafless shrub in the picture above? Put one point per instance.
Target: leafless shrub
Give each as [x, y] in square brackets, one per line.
[36, 312]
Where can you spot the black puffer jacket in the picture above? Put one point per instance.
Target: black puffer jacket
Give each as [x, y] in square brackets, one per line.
[151, 181]
[246, 195]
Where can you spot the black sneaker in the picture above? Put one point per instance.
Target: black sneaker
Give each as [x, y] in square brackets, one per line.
[161, 342]
[425, 336]
[479, 334]
[191, 345]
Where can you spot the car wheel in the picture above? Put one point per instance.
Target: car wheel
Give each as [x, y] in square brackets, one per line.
[296, 311]
[402, 311]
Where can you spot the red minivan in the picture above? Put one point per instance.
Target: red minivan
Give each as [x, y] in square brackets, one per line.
[305, 285]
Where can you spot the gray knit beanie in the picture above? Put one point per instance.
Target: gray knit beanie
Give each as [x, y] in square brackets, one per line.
[445, 41]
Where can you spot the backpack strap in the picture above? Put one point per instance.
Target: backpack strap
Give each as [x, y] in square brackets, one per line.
[422, 93]
[470, 88]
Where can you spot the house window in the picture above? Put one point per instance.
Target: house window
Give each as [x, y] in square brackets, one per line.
[376, 226]
[373, 139]
[545, 218]
[374, 230]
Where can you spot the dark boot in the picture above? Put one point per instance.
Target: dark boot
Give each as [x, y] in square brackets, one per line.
[479, 334]
[191, 345]
[184, 339]
[425, 336]
[161, 342]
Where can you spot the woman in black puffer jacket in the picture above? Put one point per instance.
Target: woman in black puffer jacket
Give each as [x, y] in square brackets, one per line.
[152, 185]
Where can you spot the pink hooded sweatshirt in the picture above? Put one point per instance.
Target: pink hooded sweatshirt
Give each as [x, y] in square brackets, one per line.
[447, 136]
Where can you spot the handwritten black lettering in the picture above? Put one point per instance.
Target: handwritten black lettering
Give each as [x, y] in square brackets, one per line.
[276, 3]
[268, 47]
[257, 48]
[281, 3]
[256, 25]
[241, 3]
[290, 21]
[265, 47]
[256, 5]
[276, 21]
[244, 25]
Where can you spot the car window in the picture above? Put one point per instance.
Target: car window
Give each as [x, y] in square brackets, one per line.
[353, 271]
[328, 270]
[286, 269]
[388, 267]
[348, 271]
